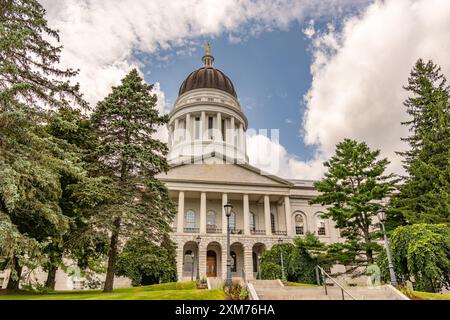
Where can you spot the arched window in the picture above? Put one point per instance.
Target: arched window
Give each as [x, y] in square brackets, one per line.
[211, 219]
[233, 261]
[190, 219]
[252, 222]
[232, 220]
[299, 224]
[321, 230]
[272, 222]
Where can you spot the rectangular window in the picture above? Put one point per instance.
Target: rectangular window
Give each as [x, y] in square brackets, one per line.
[210, 127]
[223, 130]
[197, 129]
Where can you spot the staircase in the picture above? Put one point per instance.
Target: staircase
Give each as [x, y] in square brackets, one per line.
[275, 290]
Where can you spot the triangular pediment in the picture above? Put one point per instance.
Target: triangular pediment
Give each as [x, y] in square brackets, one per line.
[222, 173]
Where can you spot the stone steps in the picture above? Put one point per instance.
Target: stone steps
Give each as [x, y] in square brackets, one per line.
[274, 290]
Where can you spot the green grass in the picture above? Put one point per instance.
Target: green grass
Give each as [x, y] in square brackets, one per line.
[165, 291]
[426, 295]
[296, 284]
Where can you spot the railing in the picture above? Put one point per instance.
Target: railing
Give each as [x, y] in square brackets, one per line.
[279, 233]
[236, 231]
[258, 232]
[326, 275]
[213, 230]
[191, 230]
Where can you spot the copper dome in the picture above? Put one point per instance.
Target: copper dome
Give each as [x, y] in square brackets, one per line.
[207, 77]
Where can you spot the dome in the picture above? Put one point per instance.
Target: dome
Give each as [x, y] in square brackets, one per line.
[208, 77]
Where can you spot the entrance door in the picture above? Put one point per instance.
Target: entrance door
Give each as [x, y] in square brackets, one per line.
[211, 264]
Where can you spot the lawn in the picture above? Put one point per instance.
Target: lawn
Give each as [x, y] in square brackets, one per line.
[165, 291]
[296, 284]
[418, 295]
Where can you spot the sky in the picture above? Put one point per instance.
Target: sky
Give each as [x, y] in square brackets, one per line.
[318, 71]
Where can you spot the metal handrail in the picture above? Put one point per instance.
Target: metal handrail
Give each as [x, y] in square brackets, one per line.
[335, 282]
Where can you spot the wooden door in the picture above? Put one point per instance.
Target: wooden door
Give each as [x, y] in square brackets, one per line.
[211, 266]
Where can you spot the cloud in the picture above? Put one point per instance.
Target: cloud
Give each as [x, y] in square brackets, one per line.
[358, 73]
[100, 37]
[265, 152]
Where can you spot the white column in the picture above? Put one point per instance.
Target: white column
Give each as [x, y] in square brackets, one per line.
[169, 140]
[203, 212]
[232, 132]
[219, 126]
[202, 259]
[176, 133]
[203, 125]
[248, 262]
[224, 216]
[287, 209]
[187, 133]
[180, 217]
[241, 136]
[246, 214]
[267, 215]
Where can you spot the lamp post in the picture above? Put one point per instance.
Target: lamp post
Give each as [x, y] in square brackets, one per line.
[192, 269]
[382, 217]
[280, 241]
[198, 239]
[228, 207]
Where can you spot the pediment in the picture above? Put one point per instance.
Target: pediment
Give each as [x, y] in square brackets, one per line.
[222, 173]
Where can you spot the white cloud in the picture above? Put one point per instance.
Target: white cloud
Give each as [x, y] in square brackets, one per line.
[99, 37]
[358, 73]
[266, 153]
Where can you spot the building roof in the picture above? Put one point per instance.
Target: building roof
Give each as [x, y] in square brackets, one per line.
[207, 77]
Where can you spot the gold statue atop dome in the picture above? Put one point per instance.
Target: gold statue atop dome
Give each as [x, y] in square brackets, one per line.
[207, 48]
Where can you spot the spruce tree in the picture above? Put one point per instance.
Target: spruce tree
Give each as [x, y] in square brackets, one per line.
[31, 161]
[126, 121]
[425, 193]
[353, 188]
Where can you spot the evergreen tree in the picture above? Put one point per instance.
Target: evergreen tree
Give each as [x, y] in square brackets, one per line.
[353, 187]
[425, 194]
[73, 131]
[28, 59]
[30, 159]
[147, 262]
[126, 121]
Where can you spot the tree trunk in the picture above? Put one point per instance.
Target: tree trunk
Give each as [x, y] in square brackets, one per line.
[112, 257]
[51, 277]
[369, 254]
[13, 285]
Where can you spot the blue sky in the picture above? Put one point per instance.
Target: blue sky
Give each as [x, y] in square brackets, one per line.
[270, 73]
[359, 65]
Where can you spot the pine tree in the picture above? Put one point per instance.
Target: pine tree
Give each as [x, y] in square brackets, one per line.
[31, 161]
[425, 194]
[353, 187]
[126, 121]
[28, 60]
